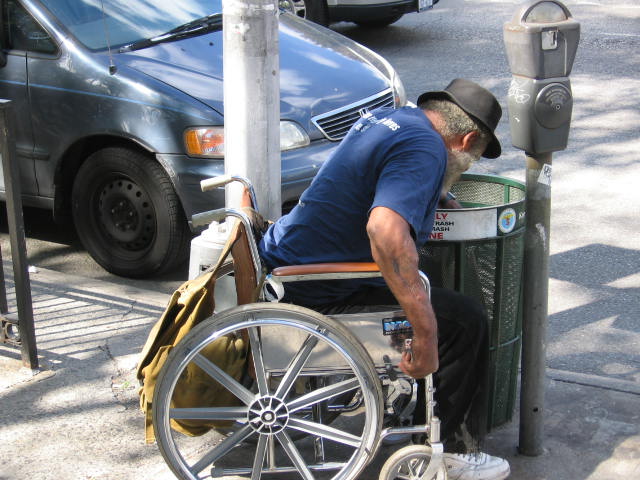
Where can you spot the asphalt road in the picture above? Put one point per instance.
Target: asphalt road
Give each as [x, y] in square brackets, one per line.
[595, 227]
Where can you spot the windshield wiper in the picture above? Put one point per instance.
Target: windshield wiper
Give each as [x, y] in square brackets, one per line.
[195, 27]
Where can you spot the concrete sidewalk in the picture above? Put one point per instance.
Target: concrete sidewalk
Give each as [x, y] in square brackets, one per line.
[78, 418]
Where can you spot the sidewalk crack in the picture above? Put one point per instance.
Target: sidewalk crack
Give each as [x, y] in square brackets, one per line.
[123, 385]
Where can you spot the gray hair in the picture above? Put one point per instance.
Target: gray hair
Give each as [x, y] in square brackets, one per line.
[457, 121]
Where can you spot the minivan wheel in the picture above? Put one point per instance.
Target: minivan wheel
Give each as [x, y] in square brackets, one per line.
[313, 10]
[128, 215]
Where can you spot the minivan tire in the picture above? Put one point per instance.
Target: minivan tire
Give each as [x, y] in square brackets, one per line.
[315, 11]
[128, 215]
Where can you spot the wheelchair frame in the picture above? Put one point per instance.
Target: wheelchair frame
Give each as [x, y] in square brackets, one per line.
[304, 371]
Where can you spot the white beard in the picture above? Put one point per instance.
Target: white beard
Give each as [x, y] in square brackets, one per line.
[457, 163]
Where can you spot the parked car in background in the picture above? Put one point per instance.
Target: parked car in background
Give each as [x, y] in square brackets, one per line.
[118, 115]
[366, 13]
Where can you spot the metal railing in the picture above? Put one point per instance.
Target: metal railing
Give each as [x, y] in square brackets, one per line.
[17, 331]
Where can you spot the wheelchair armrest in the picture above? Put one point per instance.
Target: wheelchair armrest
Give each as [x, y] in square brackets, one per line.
[326, 271]
[313, 268]
[331, 271]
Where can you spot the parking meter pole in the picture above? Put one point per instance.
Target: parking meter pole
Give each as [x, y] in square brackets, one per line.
[251, 65]
[534, 319]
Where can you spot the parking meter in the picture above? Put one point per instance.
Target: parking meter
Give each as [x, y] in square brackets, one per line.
[541, 42]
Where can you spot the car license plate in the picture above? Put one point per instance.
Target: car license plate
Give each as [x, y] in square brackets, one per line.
[424, 5]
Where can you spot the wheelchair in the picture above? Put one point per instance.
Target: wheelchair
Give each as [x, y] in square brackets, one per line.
[317, 395]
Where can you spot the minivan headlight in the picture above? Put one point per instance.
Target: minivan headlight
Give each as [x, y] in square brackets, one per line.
[399, 93]
[292, 136]
[209, 141]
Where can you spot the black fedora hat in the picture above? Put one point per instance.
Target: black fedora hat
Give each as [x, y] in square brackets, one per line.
[477, 102]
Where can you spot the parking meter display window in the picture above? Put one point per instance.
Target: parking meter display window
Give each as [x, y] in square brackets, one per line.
[546, 12]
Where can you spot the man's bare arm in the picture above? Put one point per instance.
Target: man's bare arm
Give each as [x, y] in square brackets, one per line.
[395, 253]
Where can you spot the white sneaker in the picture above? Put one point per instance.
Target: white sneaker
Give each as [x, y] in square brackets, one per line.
[475, 466]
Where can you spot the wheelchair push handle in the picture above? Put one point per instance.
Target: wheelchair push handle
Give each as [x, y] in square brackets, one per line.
[215, 182]
[222, 180]
[205, 218]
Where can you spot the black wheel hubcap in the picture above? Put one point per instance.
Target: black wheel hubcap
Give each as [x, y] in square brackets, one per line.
[126, 214]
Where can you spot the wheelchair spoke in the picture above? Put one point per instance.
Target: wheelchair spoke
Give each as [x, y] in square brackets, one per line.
[258, 461]
[295, 366]
[224, 379]
[294, 456]
[258, 361]
[209, 413]
[415, 468]
[324, 431]
[222, 448]
[323, 394]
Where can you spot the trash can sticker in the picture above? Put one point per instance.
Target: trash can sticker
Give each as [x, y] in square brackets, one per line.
[507, 220]
[465, 224]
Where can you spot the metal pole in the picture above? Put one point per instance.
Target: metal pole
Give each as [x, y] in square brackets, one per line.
[534, 315]
[11, 174]
[252, 100]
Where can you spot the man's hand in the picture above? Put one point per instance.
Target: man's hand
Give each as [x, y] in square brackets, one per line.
[448, 202]
[421, 360]
[394, 250]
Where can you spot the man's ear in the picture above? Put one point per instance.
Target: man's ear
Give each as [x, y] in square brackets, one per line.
[469, 140]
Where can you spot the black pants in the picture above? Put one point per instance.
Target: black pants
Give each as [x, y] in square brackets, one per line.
[463, 354]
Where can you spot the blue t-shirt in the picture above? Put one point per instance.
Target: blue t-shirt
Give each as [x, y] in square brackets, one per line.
[390, 158]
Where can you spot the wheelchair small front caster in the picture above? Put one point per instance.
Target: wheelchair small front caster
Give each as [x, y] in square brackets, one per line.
[414, 462]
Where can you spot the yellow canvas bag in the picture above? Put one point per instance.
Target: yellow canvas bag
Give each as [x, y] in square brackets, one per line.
[191, 303]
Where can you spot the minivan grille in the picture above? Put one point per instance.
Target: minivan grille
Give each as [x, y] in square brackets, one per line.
[335, 124]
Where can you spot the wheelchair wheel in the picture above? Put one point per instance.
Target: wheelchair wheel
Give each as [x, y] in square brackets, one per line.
[255, 431]
[412, 463]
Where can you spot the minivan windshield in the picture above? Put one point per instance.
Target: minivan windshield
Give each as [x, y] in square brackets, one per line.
[101, 23]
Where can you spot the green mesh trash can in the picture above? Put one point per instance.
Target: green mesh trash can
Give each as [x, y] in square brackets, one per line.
[478, 251]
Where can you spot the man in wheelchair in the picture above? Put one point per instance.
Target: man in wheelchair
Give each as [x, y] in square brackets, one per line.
[375, 199]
